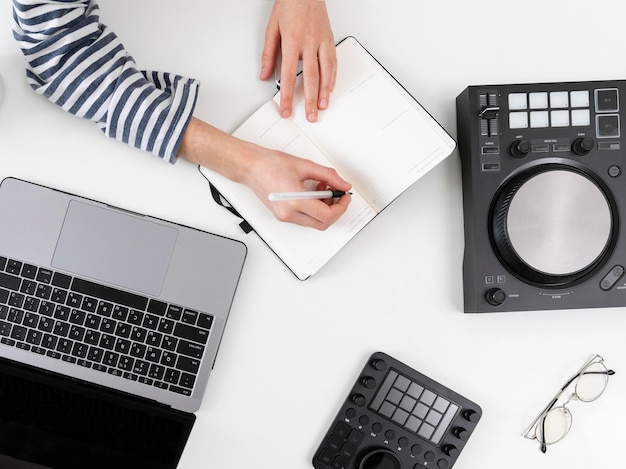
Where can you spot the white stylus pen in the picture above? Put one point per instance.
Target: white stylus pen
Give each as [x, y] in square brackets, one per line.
[278, 196]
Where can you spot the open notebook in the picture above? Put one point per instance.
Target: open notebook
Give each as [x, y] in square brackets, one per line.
[375, 134]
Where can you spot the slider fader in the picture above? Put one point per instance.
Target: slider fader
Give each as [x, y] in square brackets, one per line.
[397, 418]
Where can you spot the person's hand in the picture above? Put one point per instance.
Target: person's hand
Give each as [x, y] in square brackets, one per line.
[266, 171]
[276, 171]
[300, 29]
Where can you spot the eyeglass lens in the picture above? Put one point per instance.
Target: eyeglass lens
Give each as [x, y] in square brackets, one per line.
[590, 384]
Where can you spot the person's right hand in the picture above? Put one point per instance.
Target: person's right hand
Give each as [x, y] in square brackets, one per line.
[275, 171]
[266, 171]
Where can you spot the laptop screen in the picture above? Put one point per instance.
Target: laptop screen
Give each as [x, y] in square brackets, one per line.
[56, 422]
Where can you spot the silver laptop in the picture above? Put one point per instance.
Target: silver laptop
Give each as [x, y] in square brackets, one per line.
[122, 304]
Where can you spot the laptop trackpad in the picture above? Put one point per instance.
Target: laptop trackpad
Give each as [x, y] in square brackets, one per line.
[115, 247]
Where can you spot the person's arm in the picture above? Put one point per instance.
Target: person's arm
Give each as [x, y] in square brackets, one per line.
[300, 30]
[81, 65]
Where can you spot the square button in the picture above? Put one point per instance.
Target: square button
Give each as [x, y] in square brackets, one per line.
[428, 397]
[408, 403]
[607, 100]
[559, 99]
[559, 118]
[420, 411]
[539, 119]
[518, 120]
[415, 390]
[538, 100]
[517, 101]
[402, 383]
[608, 126]
[581, 117]
[579, 98]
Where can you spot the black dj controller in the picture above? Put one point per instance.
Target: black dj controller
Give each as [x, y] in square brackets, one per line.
[544, 195]
[397, 418]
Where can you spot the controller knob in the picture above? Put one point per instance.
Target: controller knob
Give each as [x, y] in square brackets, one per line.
[495, 296]
[379, 364]
[471, 416]
[358, 400]
[368, 382]
[583, 145]
[451, 451]
[461, 433]
[520, 148]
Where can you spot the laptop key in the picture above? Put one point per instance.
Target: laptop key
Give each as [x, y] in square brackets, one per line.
[44, 276]
[4, 295]
[14, 267]
[61, 280]
[10, 281]
[188, 364]
[58, 295]
[29, 271]
[205, 321]
[187, 380]
[65, 346]
[62, 329]
[190, 349]
[5, 328]
[34, 337]
[194, 334]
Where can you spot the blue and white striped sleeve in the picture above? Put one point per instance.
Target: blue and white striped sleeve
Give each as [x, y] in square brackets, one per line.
[82, 66]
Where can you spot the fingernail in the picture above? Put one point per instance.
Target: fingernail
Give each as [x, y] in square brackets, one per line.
[285, 113]
[323, 103]
[312, 117]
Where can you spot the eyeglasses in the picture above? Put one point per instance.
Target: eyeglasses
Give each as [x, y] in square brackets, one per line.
[553, 423]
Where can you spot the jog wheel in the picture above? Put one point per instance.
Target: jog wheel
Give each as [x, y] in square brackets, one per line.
[553, 224]
[380, 459]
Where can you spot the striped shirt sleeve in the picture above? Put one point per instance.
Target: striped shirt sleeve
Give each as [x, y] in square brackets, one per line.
[82, 66]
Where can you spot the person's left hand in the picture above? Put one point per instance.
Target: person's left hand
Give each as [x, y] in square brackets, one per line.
[300, 29]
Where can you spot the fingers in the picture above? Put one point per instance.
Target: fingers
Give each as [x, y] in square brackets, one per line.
[319, 73]
[312, 213]
[271, 49]
[318, 214]
[311, 79]
[327, 57]
[288, 74]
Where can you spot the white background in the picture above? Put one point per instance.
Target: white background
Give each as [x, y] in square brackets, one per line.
[292, 349]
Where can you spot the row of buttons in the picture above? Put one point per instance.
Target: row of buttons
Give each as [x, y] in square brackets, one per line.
[551, 110]
[557, 100]
[607, 100]
[341, 446]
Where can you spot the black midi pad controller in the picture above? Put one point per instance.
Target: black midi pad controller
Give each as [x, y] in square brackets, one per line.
[544, 195]
[397, 418]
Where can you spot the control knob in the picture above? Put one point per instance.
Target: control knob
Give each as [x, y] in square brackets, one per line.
[520, 148]
[461, 433]
[451, 451]
[471, 416]
[583, 145]
[368, 382]
[358, 400]
[495, 296]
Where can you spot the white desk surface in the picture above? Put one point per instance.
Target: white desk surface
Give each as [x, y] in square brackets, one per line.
[292, 349]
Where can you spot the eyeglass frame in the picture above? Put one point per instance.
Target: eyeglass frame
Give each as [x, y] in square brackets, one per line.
[551, 406]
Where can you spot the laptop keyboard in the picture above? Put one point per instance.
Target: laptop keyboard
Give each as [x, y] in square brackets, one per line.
[102, 328]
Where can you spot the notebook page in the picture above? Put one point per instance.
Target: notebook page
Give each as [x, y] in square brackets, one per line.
[374, 132]
[303, 250]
